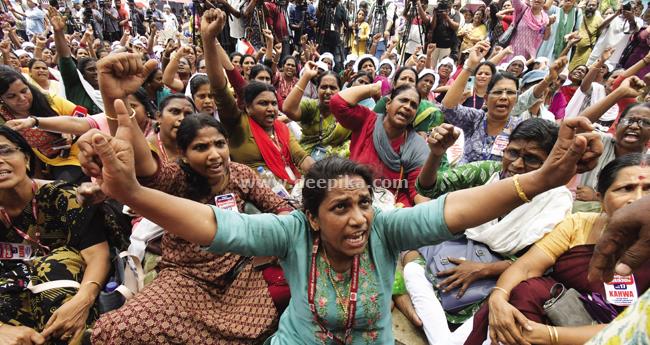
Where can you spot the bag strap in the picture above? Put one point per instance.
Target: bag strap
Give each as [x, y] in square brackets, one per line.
[135, 266]
[55, 284]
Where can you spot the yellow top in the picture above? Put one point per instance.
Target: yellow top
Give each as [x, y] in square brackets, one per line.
[63, 107]
[573, 231]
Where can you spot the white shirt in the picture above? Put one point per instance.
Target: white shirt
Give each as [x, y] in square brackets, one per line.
[617, 36]
[237, 24]
[170, 22]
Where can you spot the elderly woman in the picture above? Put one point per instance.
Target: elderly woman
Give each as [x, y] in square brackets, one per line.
[516, 313]
[474, 31]
[321, 134]
[531, 143]
[39, 75]
[60, 241]
[339, 247]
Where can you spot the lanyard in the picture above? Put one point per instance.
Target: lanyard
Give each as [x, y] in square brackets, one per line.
[161, 149]
[352, 301]
[7, 220]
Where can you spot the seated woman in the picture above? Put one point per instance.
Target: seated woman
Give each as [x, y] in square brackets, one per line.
[144, 114]
[39, 75]
[339, 247]
[209, 295]
[178, 71]
[565, 93]
[173, 110]
[427, 82]
[362, 78]
[60, 241]
[156, 89]
[257, 138]
[387, 142]
[198, 89]
[19, 100]
[522, 289]
[321, 134]
[530, 144]
[486, 132]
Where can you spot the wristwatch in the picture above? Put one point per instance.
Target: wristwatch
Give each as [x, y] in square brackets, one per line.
[36, 122]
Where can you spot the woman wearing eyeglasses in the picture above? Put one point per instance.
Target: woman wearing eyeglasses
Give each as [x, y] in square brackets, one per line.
[631, 136]
[530, 144]
[487, 132]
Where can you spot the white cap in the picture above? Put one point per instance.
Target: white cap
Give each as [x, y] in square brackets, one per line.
[327, 56]
[436, 77]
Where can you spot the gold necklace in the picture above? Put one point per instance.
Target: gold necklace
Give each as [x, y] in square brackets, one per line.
[339, 295]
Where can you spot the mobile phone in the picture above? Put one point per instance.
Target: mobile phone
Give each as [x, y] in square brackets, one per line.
[469, 87]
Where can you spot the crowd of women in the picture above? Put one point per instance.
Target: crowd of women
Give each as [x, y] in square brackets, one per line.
[277, 198]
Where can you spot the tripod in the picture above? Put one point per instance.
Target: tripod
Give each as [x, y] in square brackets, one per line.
[378, 18]
[325, 20]
[411, 14]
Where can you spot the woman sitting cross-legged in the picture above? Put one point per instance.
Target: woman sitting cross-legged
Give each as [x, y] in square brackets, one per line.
[339, 253]
[59, 240]
[515, 312]
[530, 144]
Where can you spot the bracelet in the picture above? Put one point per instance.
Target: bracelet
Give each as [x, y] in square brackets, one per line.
[502, 290]
[520, 190]
[115, 118]
[550, 334]
[556, 338]
[36, 122]
[300, 88]
[95, 283]
[470, 70]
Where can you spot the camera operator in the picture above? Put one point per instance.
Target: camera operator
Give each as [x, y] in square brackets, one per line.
[332, 17]
[442, 30]
[156, 15]
[137, 18]
[302, 20]
[418, 24]
[91, 16]
[110, 20]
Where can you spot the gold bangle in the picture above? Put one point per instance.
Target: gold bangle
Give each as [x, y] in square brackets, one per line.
[520, 190]
[502, 290]
[95, 283]
[300, 88]
[556, 338]
[550, 333]
[115, 118]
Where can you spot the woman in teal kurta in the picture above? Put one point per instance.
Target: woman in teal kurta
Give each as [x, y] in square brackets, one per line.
[339, 232]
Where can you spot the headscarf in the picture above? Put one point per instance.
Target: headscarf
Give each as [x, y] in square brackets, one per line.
[327, 56]
[436, 77]
[392, 67]
[447, 61]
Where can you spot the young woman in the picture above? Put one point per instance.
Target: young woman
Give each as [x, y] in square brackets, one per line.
[207, 293]
[360, 34]
[156, 89]
[339, 247]
[178, 71]
[482, 78]
[173, 110]
[523, 288]
[321, 134]
[19, 100]
[198, 88]
[67, 242]
[247, 63]
[285, 80]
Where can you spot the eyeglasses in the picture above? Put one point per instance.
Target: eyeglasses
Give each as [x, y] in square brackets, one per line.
[642, 122]
[529, 160]
[507, 93]
[8, 151]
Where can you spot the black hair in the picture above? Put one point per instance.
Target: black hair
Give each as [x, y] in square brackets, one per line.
[22, 144]
[243, 57]
[143, 98]
[362, 61]
[401, 70]
[199, 187]
[492, 67]
[358, 75]
[41, 105]
[543, 132]
[501, 76]
[398, 90]
[197, 81]
[607, 176]
[257, 69]
[233, 54]
[633, 105]
[31, 63]
[254, 88]
[319, 78]
[83, 63]
[287, 58]
[165, 101]
[317, 180]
